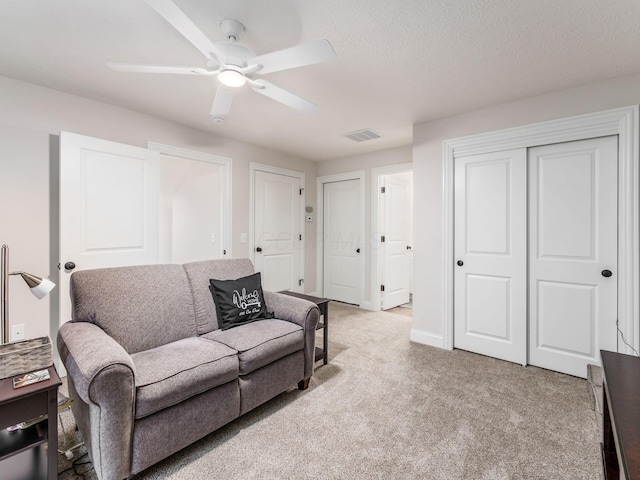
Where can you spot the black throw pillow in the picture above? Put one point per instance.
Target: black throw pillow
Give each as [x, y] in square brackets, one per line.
[240, 301]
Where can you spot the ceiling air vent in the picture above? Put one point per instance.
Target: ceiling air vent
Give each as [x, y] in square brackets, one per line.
[361, 135]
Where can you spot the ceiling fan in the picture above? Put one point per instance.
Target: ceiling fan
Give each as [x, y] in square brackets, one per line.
[235, 65]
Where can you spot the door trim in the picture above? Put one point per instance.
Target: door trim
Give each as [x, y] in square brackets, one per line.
[226, 172]
[320, 181]
[623, 122]
[253, 168]
[377, 223]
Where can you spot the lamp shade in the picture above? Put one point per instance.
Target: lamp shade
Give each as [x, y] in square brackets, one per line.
[40, 287]
[43, 289]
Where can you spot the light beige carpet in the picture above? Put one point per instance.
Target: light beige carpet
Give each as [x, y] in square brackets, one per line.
[386, 408]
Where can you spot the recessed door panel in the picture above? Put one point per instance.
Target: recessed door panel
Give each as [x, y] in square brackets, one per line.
[281, 272]
[487, 204]
[566, 204]
[113, 201]
[566, 318]
[488, 313]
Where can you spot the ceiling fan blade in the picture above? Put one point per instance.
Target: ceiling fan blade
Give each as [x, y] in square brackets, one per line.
[125, 67]
[178, 20]
[222, 101]
[283, 96]
[298, 56]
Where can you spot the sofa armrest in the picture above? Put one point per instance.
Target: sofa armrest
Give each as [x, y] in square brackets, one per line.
[299, 311]
[103, 376]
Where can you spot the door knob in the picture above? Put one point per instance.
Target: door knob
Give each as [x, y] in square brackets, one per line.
[259, 249]
[69, 266]
[460, 263]
[606, 273]
[358, 250]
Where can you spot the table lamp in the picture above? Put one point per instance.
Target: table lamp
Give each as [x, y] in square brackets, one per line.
[40, 287]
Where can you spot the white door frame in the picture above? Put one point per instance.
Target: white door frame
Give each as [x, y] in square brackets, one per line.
[623, 122]
[377, 224]
[253, 167]
[226, 246]
[320, 181]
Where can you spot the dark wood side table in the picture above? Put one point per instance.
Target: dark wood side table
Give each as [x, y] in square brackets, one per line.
[621, 416]
[22, 452]
[323, 306]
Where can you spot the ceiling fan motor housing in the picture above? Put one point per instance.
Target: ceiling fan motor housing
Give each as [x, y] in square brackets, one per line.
[231, 29]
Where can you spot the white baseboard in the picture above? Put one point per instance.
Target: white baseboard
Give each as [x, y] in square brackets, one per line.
[426, 338]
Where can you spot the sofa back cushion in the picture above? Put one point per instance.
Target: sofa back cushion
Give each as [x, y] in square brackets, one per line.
[141, 307]
[199, 274]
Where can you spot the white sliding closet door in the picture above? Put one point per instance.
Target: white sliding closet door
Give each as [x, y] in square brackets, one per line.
[490, 278]
[573, 253]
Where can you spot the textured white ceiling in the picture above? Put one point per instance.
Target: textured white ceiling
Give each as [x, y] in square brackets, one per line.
[399, 62]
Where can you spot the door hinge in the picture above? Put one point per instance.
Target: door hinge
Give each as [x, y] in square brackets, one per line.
[301, 190]
[382, 239]
[382, 288]
[300, 282]
[382, 189]
[300, 237]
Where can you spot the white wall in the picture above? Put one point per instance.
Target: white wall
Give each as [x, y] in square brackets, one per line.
[24, 221]
[428, 181]
[366, 162]
[31, 117]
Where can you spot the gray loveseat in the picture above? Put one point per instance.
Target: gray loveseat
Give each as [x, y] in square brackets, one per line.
[149, 370]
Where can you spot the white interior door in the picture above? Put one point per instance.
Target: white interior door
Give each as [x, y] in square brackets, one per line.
[108, 207]
[278, 242]
[397, 206]
[343, 212]
[490, 282]
[573, 227]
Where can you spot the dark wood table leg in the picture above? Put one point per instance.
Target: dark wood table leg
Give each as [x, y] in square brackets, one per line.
[52, 434]
[609, 456]
[325, 337]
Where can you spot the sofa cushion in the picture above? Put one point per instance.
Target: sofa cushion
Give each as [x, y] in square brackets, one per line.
[129, 303]
[199, 274]
[240, 301]
[260, 343]
[171, 373]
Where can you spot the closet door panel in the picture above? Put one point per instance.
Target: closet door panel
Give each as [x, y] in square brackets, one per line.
[573, 239]
[490, 253]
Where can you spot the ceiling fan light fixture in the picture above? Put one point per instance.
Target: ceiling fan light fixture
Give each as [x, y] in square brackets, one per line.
[231, 78]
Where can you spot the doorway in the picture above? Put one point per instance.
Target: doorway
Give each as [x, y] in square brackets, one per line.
[392, 227]
[341, 246]
[277, 227]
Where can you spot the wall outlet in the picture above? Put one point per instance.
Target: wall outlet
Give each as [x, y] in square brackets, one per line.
[17, 332]
[213, 237]
[243, 238]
